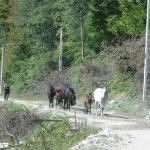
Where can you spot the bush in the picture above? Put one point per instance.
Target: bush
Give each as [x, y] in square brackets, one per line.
[55, 135]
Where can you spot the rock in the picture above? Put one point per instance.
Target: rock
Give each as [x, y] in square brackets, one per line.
[106, 132]
[147, 117]
[3, 145]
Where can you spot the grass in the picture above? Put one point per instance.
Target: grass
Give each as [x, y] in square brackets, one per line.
[128, 105]
[54, 133]
[49, 131]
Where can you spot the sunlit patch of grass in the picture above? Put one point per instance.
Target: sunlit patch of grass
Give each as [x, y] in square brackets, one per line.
[131, 106]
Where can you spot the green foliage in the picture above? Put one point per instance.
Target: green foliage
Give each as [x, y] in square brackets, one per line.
[131, 20]
[123, 104]
[82, 82]
[102, 12]
[114, 19]
[28, 73]
[14, 108]
[48, 135]
[123, 60]
[32, 29]
[120, 83]
[4, 19]
[130, 106]
[76, 78]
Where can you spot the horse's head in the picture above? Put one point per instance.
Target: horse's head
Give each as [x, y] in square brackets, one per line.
[91, 96]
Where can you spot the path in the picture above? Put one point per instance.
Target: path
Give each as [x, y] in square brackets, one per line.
[133, 134]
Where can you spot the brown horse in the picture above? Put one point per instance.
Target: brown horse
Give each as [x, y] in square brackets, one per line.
[87, 103]
[59, 99]
[51, 93]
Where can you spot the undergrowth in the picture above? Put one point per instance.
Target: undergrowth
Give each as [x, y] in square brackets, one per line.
[47, 135]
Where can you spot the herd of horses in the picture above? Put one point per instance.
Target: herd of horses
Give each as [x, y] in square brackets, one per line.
[65, 97]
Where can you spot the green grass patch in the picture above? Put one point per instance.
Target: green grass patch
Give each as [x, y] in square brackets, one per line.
[120, 83]
[130, 106]
[55, 135]
[13, 108]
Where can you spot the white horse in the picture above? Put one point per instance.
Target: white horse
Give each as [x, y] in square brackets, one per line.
[100, 97]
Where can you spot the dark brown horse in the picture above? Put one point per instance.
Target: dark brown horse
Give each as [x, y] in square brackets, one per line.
[59, 99]
[67, 94]
[87, 103]
[51, 93]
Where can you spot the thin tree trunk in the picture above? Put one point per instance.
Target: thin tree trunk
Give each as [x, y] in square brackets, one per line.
[82, 38]
[60, 50]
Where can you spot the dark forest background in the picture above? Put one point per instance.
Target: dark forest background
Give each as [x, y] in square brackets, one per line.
[30, 32]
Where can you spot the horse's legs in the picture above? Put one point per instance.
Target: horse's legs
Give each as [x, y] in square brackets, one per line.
[49, 102]
[7, 96]
[56, 101]
[61, 103]
[65, 103]
[90, 109]
[97, 107]
[102, 109]
[52, 103]
[69, 104]
[85, 108]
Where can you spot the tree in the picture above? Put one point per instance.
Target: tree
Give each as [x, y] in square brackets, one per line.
[4, 22]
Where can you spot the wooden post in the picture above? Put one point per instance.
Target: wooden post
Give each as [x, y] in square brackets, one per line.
[2, 68]
[147, 59]
[82, 39]
[60, 50]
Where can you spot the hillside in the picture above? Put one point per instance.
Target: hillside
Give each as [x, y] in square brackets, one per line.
[30, 33]
[119, 67]
[102, 43]
[113, 67]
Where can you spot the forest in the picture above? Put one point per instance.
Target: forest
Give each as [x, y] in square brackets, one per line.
[30, 33]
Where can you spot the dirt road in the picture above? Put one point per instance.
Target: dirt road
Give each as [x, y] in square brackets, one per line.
[119, 133]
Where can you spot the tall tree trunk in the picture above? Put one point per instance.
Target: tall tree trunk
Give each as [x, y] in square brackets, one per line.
[82, 38]
[60, 50]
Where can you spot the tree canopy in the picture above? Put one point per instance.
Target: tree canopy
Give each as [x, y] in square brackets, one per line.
[30, 32]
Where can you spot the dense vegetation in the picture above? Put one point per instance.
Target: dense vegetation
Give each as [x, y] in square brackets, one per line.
[30, 32]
